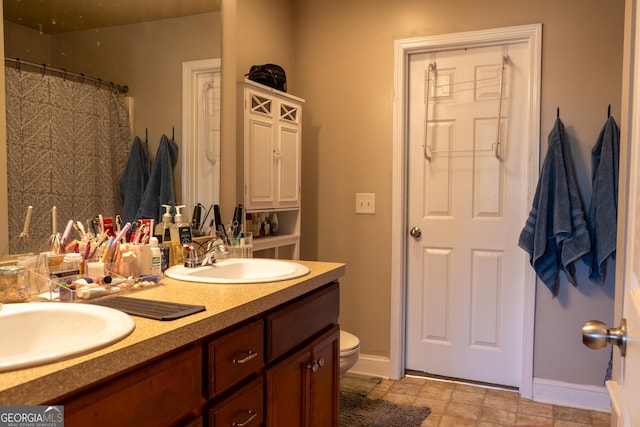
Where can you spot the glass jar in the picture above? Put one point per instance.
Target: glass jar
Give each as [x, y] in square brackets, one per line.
[13, 284]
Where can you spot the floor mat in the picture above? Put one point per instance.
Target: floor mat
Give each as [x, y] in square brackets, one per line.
[360, 411]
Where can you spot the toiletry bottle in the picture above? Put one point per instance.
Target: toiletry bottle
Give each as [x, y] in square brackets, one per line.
[274, 224]
[263, 224]
[156, 257]
[248, 222]
[255, 225]
[180, 237]
[162, 231]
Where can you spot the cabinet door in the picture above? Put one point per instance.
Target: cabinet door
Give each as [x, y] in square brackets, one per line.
[302, 390]
[325, 380]
[287, 396]
[288, 155]
[259, 158]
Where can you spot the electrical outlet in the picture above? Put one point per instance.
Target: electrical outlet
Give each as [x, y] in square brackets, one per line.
[366, 203]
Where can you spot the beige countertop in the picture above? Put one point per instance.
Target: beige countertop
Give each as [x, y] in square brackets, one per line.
[226, 305]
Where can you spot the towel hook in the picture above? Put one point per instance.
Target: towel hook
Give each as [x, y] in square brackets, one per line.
[18, 64]
[81, 77]
[43, 69]
[558, 113]
[609, 111]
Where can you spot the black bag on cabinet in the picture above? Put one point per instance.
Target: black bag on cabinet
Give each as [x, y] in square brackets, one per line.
[269, 75]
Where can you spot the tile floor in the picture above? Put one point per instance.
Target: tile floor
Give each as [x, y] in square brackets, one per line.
[457, 404]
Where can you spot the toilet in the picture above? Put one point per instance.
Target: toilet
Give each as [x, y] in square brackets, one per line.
[349, 351]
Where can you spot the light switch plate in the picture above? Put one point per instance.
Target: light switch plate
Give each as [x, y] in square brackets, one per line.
[366, 203]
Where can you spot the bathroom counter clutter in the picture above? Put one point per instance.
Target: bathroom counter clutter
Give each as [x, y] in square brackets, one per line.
[225, 307]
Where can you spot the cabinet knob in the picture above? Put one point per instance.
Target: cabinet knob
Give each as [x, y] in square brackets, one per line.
[252, 416]
[319, 363]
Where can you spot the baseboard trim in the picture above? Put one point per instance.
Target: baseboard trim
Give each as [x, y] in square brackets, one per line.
[372, 365]
[580, 396]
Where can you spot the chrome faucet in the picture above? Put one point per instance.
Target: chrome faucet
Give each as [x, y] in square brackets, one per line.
[216, 248]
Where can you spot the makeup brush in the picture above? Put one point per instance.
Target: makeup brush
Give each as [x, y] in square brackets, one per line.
[54, 239]
[23, 243]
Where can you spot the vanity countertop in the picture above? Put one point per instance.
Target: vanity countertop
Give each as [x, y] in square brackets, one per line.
[226, 305]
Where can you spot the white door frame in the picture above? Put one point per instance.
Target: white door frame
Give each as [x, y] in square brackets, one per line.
[190, 109]
[532, 34]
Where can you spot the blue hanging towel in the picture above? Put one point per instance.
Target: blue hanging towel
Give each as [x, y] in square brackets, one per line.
[134, 180]
[556, 234]
[160, 190]
[603, 210]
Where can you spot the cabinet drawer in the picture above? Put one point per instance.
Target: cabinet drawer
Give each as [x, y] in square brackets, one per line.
[159, 394]
[243, 408]
[235, 356]
[294, 324]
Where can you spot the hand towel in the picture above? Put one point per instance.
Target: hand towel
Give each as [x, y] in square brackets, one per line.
[134, 180]
[160, 189]
[556, 234]
[603, 210]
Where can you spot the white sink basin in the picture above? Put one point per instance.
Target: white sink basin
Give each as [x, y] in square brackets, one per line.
[240, 270]
[43, 332]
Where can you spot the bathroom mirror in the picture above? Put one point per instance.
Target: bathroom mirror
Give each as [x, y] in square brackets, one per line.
[138, 43]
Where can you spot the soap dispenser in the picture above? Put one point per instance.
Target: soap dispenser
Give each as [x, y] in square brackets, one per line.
[180, 237]
[162, 231]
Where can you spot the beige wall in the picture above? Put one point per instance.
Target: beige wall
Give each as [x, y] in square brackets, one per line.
[254, 32]
[27, 44]
[344, 70]
[147, 57]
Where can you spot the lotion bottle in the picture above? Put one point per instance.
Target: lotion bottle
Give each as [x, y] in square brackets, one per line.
[162, 231]
[156, 257]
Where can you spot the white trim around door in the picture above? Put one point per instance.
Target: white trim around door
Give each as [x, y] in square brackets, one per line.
[532, 34]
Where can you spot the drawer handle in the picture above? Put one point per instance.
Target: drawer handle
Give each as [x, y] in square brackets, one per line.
[250, 355]
[316, 364]
[252, 416]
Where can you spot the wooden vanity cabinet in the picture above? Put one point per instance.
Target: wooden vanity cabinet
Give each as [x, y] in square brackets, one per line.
[280, 369]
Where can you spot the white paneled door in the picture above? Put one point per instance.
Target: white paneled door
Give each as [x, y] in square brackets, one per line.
[466, 207]
[624, 387]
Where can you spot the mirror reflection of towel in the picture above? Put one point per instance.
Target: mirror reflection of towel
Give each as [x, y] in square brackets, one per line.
[134, 180]
[603, 210]
[160, 190]
[556, 234]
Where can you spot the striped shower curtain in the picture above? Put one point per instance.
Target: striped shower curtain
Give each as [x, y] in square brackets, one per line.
[67, 146]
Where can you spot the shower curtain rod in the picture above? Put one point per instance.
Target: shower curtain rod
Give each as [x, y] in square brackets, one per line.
[64, 74]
